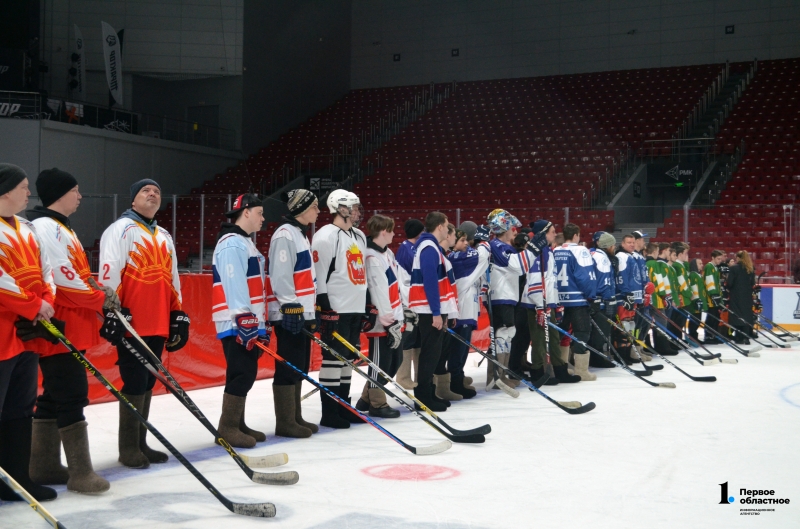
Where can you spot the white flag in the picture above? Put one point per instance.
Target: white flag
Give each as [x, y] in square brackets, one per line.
[113, 59]
[80, 65]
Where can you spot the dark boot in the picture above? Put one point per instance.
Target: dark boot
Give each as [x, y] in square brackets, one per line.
[46, 467]
[457, 386]
[345, 413]
[298, 410]
[538, 372]
[285, 425]
[330, 411]
[82, 477]
[598, 361]
[15, 458]
[232, 409]
[154, 456]
[378, 406]
[563, 376]
[435, 398]
[130, 453]
[424, 394]
[363, 402]
[255, 434]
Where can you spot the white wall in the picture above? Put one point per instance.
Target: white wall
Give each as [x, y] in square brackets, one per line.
[526, 38]
[170, 37]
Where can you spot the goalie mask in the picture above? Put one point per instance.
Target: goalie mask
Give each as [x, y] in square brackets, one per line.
[501, 221]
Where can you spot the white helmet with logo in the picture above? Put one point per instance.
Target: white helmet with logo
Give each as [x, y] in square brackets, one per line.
[341, 197]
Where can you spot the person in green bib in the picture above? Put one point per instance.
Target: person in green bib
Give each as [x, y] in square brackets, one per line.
[658, 270]
[678, 254]
[713, 296]
[698, 305]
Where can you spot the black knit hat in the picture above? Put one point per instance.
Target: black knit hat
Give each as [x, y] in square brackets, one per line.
[298, 201]
[413, 227]
[248, 200]
[53, 184]
[10, 177]
[135, 188]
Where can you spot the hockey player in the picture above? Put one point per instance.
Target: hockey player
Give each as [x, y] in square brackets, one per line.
[239, 315]
[541, 308]
[679, 252]
[631, 284]
[137, 259]
[713, 284]
[577, 288]
[605, 304]
[411, 345]
[291, 296]
[338, 251]
[658, 273]
[698, 287]
[59, 410]
[432, 297]
[504, 291]
[469, 266]
[26, 292]
[383, 323]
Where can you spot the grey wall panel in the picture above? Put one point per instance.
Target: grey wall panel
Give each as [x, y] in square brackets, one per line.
[19, 144]
[546, 37]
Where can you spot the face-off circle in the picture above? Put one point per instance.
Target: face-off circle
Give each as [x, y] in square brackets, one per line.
[411, 472]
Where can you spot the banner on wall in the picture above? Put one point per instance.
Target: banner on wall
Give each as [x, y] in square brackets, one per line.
[112, 54]
[79, 92]
[782, 305]
[673, 174]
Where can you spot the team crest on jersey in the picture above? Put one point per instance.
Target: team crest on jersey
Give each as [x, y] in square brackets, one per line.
[20, 257]
[355, 265]
[153, 262]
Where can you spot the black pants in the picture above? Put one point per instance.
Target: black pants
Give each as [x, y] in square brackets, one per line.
[18, 386]
[578, 318]
[459, 352]
[66, 390]
[712, 321]
[599, 339]
[521, 340]
[136, 379]
[411, 339]
[241, 368]
[386, 358]
[677, 317]
[448, 345]
[694, 324]
[334, 372]
[295, 349]
[431, 342]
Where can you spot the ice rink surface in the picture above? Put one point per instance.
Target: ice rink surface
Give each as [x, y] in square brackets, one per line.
[645, 457]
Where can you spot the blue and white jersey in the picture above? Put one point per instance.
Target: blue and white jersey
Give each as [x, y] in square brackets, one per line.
[604, 271]
[238, 270]
[469, 267]
[575, 275]
[532, 295]
[643, 277]
[629, 280]
[507, 265]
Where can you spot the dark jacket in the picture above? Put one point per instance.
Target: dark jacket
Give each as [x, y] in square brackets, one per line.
[740, 284]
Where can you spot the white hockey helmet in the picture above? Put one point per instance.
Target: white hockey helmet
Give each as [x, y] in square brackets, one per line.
[342, 197]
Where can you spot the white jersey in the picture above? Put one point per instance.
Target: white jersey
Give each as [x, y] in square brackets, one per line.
[339, 264]
[532, 294]
[384, 291]
[291, 277]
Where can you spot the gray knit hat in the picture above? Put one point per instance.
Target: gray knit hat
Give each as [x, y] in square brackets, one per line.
[469, 228]
[606, 240]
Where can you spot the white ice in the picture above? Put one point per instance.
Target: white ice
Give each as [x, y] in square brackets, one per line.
[645, 457]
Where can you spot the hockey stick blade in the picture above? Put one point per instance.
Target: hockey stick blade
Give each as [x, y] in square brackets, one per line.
[508, 390]
[257, 510]
[729, 360]
[438, 448]
[272, 460]
[589, 406]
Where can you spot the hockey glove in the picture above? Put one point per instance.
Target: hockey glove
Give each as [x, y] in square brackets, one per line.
[246, 329]
[267, 336]
[541, 318]
[482, 234]
[369, 318]
[594, 305]
[717, 301]
[111, 301]
[292, 317]
[698, 305]
[412, 319]
[395, 334]
[629, 302]
[112, 329]
[28, 330]
[757, 306]
[538, 243]
[757, 289]
[328, 323]
[610, 308]
[559, 315]
[178, 330]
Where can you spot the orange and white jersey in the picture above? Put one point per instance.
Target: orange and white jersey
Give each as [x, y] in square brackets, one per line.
[26, 279]
[77, 303]
[138, 261]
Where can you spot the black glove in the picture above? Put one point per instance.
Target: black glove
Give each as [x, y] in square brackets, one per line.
[395, 334]
[293, 320]
[178, 330]
[594, 305]
[717, 301]
[757, 289]
[482, 234]
[369, 318]
[629, 302]
[757, 306]
[610, 308]
[538, 242]
[698, 304]
[28, 330]
[112, 329]
[559, 315]
[667, 301]
[328, 323]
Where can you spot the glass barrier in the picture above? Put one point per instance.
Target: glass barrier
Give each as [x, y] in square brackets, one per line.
[769, 232]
